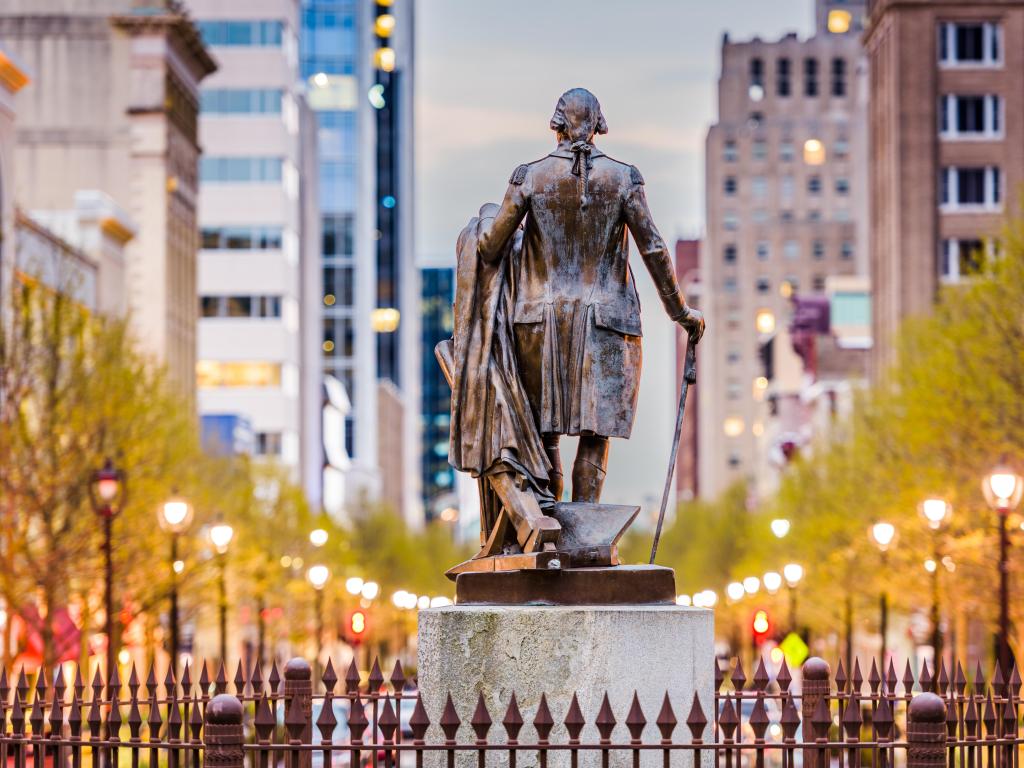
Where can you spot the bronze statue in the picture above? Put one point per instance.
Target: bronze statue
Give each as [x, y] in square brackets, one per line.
[547, 340]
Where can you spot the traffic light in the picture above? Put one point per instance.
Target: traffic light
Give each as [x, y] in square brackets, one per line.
[761, 625]
[356, 624]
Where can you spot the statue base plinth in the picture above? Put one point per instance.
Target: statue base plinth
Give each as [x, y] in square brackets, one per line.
[620, 585]
[467, 650]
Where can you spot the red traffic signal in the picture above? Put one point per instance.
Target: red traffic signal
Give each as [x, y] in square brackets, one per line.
[356, 624]
[761, 625]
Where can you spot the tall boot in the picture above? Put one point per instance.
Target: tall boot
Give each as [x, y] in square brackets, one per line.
[555, 481]
[588, 471]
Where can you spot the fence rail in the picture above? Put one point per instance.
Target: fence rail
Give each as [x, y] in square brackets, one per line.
[815, 719]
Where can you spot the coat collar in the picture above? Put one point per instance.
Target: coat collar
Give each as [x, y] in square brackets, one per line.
[565, 153]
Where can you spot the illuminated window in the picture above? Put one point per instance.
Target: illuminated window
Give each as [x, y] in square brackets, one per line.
[839, 21]
[384, 59]
[814, 152]
[733, 426]
[764, 321]
[214, 373]
[385, 319]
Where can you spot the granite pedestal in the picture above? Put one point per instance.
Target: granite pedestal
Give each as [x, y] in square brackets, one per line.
[559, 650]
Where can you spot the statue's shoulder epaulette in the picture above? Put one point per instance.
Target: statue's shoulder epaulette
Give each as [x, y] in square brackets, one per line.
[519, 174]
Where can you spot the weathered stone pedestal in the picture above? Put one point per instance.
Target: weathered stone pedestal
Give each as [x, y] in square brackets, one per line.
[559, 650]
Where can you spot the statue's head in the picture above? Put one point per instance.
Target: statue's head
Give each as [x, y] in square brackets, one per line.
[578, 116]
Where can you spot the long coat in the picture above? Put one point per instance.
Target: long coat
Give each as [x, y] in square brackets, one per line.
[577, 314]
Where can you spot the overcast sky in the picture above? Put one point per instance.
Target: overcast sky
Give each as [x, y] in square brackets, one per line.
[488, 74]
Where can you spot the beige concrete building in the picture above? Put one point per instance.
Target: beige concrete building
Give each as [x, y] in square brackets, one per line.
[113, 106]
[786, 191]
[947, 135]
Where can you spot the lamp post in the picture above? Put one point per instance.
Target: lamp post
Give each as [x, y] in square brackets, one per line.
[780, 527]
[1002, 488]
[792, 573]
[221, 535]
[317, 575]
[935, 512]
[175, 517]
[106, 492]
[883, 534]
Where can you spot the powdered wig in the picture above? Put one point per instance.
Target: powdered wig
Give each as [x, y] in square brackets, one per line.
[578, 115]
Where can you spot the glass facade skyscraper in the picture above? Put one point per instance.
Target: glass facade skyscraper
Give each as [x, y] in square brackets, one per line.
[356, 61]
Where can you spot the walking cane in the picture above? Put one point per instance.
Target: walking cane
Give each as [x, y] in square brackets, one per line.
[689, 377]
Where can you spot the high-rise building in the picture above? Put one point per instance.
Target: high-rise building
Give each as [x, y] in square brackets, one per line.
[259, 262]
[687, 459]
[356, 62]
[947, 147]
[113, 106]
[437, 323]
[785, 199]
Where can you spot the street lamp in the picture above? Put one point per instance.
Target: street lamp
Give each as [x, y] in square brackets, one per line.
[780, 527]
[318, 537]
[883, 534]
[175, 517]
[107, 492]
[1002, 488]
[792, 573]
[935, 511]
[221, 535]
[772, 581]
[317, 575]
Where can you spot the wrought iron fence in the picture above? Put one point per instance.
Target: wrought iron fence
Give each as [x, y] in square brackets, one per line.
[818, 720]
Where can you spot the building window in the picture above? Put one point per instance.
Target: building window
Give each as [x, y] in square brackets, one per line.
[814, 215]
[962, 117]
[787, 152]
[786, 187]
[241, 238]
[730, 153]
[810, 77]
[786, 216]
[338, 337]
[337, 236]
[842, 186]
[971, 188]
[240, 101]
[838, 77]
[791, 250]
[814, 185]
[759, 187]
[961, 259]
[733, 391]
[733, 426]
[730, 185]
[818, 249]
[839, 21]
[215, 373]
[339, 285]
[763, 250]
[972, 44]
[235, 32]
[733, 356]
[734, 461]
[782, 77]
[846, 250]
[841, 147]
[240, 306]
[814, 152]
[763, 285]
[729, 284]
[729, 254]
[818, 283]
[267, 444]
[756, 74]
[240, 169]
[759, 216]
[759, 149]
[730, 222]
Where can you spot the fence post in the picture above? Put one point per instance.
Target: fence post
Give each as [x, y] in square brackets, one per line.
[926, 732]
[298, 684]
[222, 733]
[816, 686]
